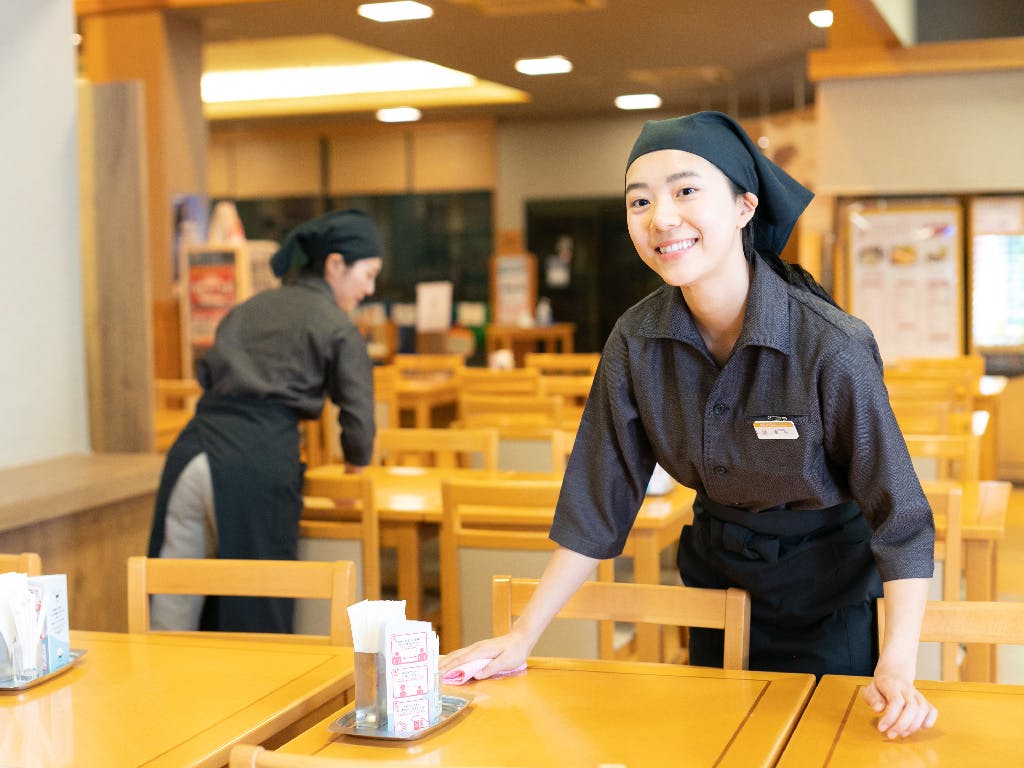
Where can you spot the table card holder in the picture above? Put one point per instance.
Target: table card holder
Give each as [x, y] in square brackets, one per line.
[412, 682]
[368, 619]
[33, 625]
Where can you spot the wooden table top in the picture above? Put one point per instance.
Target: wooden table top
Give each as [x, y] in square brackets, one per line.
[978, 725]
[162, 701]
[566, 713]
[414, 493]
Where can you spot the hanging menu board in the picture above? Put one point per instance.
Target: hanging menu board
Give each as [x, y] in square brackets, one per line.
[906, 276]
[997, 274]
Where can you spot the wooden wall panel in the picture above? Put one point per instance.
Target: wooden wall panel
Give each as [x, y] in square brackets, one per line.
[268, 165]
[454, 156]
[220, 168]
[368, 161]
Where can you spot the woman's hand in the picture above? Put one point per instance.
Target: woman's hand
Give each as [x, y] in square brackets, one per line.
[904, 710]
[507, 651]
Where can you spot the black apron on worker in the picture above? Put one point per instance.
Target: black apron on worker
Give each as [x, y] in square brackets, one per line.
[253, 450]
[812, 581]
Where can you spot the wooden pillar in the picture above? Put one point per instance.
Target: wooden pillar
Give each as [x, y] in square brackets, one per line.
[164, 52]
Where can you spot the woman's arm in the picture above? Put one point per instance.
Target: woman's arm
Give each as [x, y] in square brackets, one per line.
[903, 708]
[564, 574]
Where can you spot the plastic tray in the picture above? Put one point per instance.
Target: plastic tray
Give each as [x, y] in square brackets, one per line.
[8, 684]
[451, 708]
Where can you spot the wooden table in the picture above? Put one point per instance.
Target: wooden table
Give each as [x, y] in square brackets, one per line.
[409, 504]
[980, 562]
[156, 701]
[422, 394]
[978, 725]
[557, 337]
[569, 713]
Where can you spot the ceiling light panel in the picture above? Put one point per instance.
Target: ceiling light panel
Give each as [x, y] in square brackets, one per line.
[546, 65]
[403, 10]
[399, 115]
[638, 101]
[820, 19]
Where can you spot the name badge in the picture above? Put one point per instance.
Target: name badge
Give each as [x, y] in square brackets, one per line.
[776, 429]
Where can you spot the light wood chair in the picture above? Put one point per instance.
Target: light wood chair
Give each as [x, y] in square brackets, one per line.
[966, 621]
[428, 364]
[385, 413]
[955, 457]
[563, 363]
[922, 416]
[25, 562]
[176, 394]
[727, 609]
[444, 447]
[252, 756]
[333, 581]
[512, 381]
[961, 365]
[493, 526]
[339, 510]
[504, 410]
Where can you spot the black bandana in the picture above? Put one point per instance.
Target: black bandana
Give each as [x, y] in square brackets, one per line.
[722, 142]
[351, 233]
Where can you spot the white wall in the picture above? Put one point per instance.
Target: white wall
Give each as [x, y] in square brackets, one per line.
[43, 409]
[952, 133]
[562, 159]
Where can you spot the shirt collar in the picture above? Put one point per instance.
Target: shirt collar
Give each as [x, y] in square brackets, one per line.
[312, 282]
[763, 323]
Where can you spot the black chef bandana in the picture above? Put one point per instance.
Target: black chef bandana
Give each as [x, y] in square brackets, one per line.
[722, 142]
[351, 233]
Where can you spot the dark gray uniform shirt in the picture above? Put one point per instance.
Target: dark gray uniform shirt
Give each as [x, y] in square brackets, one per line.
[658, 396]
[290, 345]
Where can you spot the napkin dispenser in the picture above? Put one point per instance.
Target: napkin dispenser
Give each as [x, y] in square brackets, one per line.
[396, 669]
[33, 625]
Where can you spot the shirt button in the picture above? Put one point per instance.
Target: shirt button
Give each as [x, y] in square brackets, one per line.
[720, 408]
[720, 470]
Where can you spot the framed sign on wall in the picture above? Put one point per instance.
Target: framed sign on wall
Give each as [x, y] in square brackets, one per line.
[513, 287]
[905, 279]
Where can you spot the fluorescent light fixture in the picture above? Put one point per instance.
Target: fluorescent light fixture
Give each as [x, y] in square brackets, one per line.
[305, 82]
[820, 19]
[404, 10]
[546, 65]
[399, 115]
[638, 101]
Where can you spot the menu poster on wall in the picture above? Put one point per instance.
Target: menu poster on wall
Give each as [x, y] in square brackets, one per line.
[906, 277]
[513, 288]
[997, 273]
[212, 285]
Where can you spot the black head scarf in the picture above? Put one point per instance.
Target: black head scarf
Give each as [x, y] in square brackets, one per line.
[351, 233]
[721, 141]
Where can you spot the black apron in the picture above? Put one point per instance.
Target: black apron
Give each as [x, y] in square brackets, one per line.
[253, 450]
[811, 577]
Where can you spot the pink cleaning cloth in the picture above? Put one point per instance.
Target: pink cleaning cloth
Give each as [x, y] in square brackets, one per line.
[471, 670]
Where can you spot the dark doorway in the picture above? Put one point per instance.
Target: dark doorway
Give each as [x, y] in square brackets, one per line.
[587, 265]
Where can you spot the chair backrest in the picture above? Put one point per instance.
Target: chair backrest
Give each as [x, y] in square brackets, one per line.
[511, 381]
[442, 447]
[563, 363]
[958, 390]
[956, 457]
[343, 507]
[946, 501]
[491, 515]
[726, 609]
[25, 562]
[249, 578]
[967, 621]
[507, 410]
[924, 416]
[385, 412]
[252, 756]
[422, 363]
[961, 365]
[176, 394]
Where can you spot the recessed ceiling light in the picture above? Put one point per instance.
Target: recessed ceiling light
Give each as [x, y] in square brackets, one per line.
[399, 115]
[403, 10]
[638, 101]
[820, 19]
[304, 82]
[546, 65]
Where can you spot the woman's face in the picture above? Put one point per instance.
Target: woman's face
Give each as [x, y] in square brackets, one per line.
[683, 217]
[351, 283]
